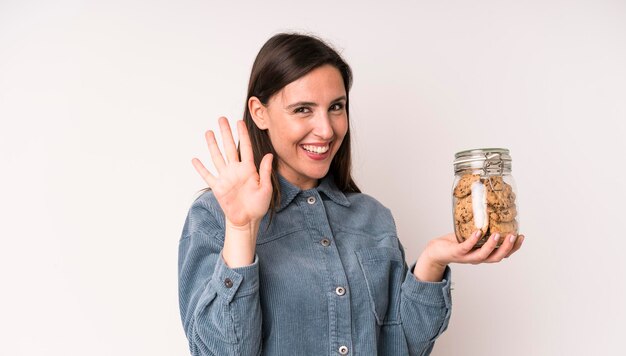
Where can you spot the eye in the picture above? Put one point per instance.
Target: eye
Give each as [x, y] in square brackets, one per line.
[302, 110]
[336, 107]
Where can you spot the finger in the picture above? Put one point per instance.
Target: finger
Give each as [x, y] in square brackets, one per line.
[265, 171]
[481, 254]
[503, 250]
[216, 154]
[204, 173]
[245, 146]
[229, 142]
[518, 244]
[466, 246]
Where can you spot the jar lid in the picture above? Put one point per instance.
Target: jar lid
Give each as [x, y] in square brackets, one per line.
[490, 160]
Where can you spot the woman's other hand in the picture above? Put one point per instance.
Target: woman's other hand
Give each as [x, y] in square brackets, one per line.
[446, 249]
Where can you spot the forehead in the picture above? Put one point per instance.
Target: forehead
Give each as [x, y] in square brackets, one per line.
[323, 84]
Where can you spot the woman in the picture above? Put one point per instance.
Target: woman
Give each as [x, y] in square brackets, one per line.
[284, 254]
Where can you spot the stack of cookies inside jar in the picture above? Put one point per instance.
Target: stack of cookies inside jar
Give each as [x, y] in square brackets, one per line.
[484, 195]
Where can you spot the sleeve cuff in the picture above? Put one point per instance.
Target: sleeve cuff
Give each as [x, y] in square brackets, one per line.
[231, 283]
[431, 293]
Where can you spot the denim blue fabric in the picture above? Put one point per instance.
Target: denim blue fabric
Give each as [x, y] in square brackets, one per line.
[329, 278]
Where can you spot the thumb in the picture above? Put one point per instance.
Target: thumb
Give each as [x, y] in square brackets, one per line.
[265, 171]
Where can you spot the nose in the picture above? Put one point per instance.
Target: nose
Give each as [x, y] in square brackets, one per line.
[323, 127]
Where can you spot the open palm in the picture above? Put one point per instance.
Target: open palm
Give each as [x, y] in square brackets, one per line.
[243, 193]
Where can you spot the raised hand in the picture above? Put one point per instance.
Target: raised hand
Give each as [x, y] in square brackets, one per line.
[243, 193]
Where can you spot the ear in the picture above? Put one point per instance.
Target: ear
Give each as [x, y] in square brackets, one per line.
[258, 111]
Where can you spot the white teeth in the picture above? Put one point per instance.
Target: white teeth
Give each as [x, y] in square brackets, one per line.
[316, 149]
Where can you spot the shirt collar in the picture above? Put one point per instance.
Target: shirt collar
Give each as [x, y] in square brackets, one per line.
[327, 186]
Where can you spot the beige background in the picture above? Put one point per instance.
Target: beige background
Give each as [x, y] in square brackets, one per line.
[103, 105]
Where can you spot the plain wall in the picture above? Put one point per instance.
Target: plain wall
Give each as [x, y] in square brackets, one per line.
[104, 103]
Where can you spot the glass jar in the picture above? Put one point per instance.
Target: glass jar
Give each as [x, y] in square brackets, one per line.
[483, 195]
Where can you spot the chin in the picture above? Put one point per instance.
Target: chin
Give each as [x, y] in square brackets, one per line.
[319, 174]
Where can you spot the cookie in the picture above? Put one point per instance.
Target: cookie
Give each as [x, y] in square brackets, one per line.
[502, 215]
[464, 212]
[464, 186]
[465, 230]
[504, 228]
[500, 201]
[457, 231]
[502, 198]
[494, 182]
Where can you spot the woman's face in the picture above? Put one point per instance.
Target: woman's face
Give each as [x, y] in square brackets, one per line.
[306, 122]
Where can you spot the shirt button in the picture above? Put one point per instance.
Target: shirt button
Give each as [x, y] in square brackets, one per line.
[343, 350]
[311, 200]
[340, 291]
[325, 242]
[228, 283]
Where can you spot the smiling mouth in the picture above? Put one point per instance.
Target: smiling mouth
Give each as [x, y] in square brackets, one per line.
[316, 149]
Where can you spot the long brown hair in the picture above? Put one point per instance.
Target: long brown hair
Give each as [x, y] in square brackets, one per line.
[283, 59]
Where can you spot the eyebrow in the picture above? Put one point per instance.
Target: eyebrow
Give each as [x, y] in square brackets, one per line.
[310, 103]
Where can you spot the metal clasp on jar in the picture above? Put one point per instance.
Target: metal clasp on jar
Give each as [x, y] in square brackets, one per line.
[493, 166]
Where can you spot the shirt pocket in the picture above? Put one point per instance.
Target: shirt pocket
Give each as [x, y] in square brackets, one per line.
[383, 268]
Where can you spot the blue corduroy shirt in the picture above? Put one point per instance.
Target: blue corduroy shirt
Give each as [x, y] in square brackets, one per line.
[329, 278]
